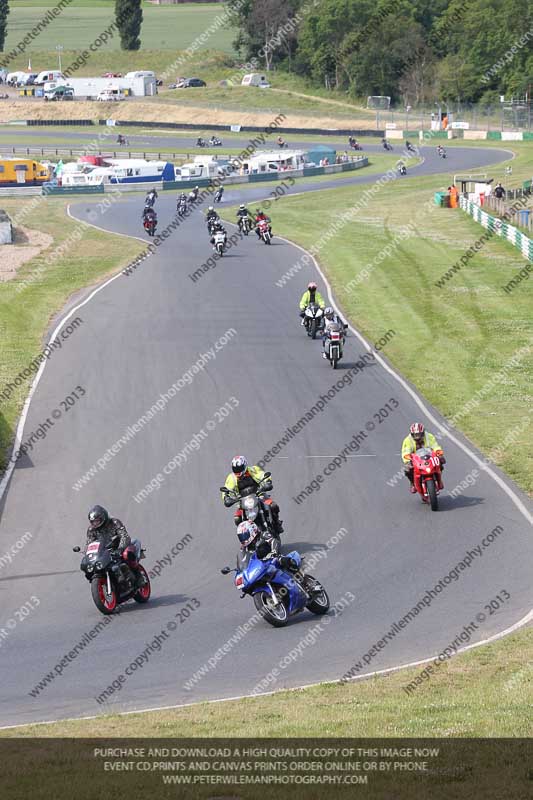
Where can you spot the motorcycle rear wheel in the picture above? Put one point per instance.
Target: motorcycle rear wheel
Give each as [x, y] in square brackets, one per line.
[99, 598]
[275, 615]
[432, 493]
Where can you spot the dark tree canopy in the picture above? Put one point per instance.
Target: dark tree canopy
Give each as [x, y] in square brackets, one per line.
[412, 50]
[129, 17]
[4, 11]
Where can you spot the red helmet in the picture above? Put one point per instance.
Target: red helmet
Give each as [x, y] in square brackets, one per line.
[311, 286]
[417, 430]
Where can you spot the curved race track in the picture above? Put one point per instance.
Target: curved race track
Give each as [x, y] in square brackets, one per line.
[142, 333]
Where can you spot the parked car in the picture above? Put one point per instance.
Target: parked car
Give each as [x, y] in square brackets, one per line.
[189, 83]
[110, 95]
[60, 93]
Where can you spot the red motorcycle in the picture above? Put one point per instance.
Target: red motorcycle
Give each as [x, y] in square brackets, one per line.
[150, 225]
[427, 476]
[264, 231]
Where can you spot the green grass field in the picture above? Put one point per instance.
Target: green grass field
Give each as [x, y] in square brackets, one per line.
[79, 24]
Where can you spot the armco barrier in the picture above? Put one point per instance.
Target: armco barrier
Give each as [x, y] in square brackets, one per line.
[65, 190]
[499, 227]
[190, 126]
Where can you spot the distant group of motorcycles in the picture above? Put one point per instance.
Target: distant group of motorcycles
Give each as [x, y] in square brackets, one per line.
[214, 141]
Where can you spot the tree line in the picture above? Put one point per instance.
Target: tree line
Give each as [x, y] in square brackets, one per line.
[414, 51]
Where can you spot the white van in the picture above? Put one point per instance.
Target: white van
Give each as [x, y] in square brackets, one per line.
[49, 75]
[255, 79]
[110, 94]
[142, 73]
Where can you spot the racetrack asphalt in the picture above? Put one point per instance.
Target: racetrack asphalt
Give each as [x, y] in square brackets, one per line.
[140, 335]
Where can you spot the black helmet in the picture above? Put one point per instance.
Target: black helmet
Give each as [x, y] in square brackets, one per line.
[98, 516]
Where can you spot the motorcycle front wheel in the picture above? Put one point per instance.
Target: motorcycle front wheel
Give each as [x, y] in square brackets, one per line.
[320, 602]
[102, 602]
[432, 493]
[314, 329]
[274, 614]
[142, 595]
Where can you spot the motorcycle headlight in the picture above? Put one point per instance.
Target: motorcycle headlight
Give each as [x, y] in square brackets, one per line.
[90, 568]
[252, 514]
[98, 565]
[428, 469]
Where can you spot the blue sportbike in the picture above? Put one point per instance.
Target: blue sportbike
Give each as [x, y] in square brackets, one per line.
[278, 586]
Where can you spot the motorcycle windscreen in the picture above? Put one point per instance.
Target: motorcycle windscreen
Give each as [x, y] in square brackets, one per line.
[258, 570]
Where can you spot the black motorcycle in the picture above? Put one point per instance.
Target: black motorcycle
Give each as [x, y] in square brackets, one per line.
[254, 509]
[112, 574]
[410, 148]
[211, 226]
[245, 225]
[201, 142]
[218, 194]
[182, 207]
[386, 145]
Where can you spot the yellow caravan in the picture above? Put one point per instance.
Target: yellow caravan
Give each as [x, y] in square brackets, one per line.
[22, 172]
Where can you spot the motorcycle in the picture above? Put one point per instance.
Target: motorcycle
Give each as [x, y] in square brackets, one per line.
[354, 145]
[149, 201]
[111, 576]
[214, 141]
[402, 170]
[182, 207]
[254, 508]
[441, 152]
[314, 319]
[150, 224]
[218, 195]
[264, 231]
[245, 225]
[333, 347]
[220, 242]
[427, 476]
[386, 145]
[211, 225]
[282, 144]
[410, 148]
[122, 140]
[200, 142]
[277, 593]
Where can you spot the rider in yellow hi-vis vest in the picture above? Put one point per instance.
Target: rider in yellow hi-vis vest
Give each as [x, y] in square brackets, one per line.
[418, 437]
